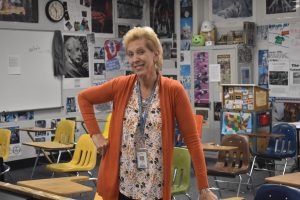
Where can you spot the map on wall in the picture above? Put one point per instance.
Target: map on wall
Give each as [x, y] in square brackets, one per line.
[234, 123]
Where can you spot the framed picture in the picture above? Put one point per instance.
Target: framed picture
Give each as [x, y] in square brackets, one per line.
[102, 16]
[19, 11]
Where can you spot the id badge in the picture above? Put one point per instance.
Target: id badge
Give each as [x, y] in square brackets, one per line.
[142, 162]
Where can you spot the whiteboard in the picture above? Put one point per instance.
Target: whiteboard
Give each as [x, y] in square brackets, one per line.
[34, 86]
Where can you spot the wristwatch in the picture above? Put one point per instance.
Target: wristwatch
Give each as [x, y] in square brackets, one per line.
[204, 190]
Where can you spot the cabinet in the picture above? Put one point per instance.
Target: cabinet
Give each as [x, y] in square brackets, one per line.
[236, 67]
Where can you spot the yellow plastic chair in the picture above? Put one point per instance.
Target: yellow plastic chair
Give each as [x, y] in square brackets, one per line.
[97, 197]
[106, 127]
[5, 135]
[84, 158]
[181, 168]
[64, 134]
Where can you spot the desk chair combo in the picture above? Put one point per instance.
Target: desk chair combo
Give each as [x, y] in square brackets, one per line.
[232, 163]
[5, 135]
[63, 140]
[83, 160]
[277, 192]
[279, 148]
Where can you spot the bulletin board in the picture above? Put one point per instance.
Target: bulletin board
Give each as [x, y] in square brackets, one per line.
[27, 81]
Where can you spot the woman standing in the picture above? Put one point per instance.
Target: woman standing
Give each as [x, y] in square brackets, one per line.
[137, 157]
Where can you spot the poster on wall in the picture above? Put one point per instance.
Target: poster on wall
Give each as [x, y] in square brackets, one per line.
[282, 6]
[186, 23]
[234, 123]
[76, 56]
[231, 9]
[19, 11]
[263, 68]
[185, 78]
[224, 61]
[162, 17]
[102, 16]
[201, 90]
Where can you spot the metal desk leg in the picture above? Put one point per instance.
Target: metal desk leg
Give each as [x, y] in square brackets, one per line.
[36, 161]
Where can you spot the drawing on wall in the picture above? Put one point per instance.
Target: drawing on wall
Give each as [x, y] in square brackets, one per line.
[76, 56]
[162, 17]
[224, 9]
[201, 92]
[278, 34]
[102, 16]
[280, 6]
[224, 61]
[130, 9]
[263, 68]
[19, 11]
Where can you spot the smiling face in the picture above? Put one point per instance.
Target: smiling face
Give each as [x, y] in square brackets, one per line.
[141, 58]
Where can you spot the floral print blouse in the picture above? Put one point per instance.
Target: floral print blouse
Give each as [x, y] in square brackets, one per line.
[142, 183]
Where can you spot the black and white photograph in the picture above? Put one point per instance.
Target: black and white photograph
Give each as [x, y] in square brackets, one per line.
[278, 78]
[217, 110]
[162, 17]
[122, 30]
[280, 6]
[76, 57]
[130, 9]
[226, 9]
[99, 69]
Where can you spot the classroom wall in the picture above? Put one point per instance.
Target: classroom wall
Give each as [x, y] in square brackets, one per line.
[201, 10]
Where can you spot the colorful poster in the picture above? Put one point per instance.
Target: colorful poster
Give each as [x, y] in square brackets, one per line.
[224, 61]
[201, 78]
[236, 122]
[263, 68]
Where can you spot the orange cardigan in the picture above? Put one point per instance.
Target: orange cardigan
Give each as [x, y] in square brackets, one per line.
[174, 104]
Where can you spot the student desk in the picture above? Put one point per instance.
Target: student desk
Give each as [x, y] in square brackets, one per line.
[216, 147]
[60, 186]
[291, 179]
[35, 130]
[47, 146]
[10, 191]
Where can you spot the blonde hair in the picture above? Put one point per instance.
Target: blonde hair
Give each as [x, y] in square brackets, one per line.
[152, 41]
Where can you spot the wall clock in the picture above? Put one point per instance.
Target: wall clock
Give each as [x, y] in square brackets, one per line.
[55, 10]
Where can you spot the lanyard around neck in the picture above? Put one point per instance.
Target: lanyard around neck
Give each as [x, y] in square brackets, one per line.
[143, 116]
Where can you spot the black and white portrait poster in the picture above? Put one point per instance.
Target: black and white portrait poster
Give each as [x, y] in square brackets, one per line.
[230, 9]
[130, 9]
[280, 6]
[162, 17]
[76, 56]
[102, 16]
